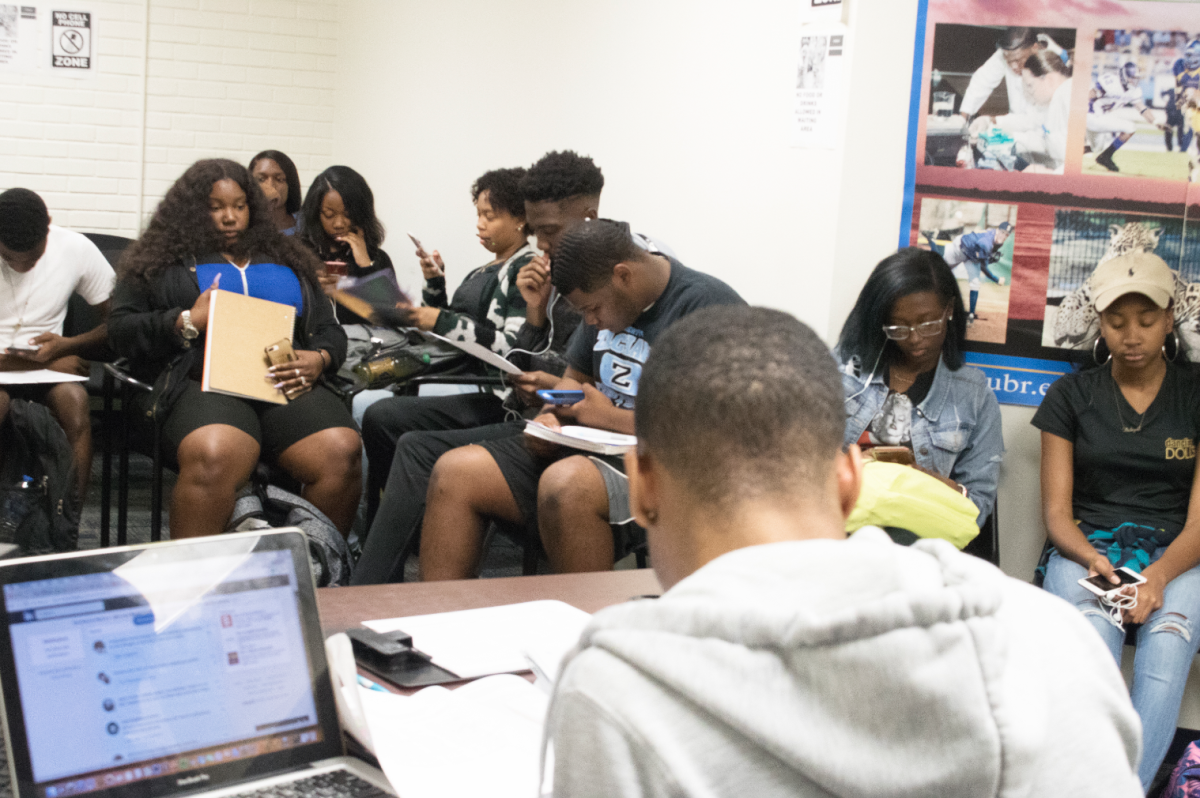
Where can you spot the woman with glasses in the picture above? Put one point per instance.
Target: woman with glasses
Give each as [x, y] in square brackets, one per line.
[901, 354]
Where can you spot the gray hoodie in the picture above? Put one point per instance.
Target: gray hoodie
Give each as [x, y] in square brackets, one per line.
[845, 668]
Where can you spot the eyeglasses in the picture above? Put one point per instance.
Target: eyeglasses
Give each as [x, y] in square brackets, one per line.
[901, 332]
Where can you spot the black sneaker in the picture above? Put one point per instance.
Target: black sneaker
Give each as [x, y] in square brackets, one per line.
[1105, 160]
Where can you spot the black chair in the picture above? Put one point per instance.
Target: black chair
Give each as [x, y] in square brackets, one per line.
[133, 437]
[986, 544]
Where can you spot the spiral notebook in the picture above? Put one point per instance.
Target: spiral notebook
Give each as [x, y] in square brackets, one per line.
[240, 328]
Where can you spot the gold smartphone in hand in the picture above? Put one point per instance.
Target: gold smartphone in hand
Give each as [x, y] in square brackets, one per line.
[900, 455]
[281, 352]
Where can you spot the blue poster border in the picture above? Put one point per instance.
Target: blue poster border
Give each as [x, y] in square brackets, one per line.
[1014, 380]
[914, 116]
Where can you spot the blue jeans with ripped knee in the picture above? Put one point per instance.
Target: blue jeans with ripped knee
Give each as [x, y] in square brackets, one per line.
[1166, 644]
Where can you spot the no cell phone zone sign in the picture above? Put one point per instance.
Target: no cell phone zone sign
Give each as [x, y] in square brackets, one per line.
[71, 39]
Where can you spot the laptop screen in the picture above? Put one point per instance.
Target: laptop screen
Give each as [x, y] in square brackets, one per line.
[176, 661]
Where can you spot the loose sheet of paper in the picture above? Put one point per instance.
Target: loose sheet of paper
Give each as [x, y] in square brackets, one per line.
[483, 353]
[37, 377]
[490, 640]
[482, 739]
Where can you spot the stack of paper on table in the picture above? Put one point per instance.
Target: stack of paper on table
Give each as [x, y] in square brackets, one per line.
[484, 738]
[240, 328]
[472, 643]
[587, 439]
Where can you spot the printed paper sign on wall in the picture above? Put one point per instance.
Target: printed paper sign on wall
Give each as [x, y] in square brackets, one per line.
[1045, 139]
[71, 40]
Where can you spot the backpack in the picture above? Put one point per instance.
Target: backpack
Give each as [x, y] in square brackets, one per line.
[38, 513]
[1185, 778]
[262, 506]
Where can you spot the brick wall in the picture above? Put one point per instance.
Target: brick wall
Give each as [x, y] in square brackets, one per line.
[221, 78]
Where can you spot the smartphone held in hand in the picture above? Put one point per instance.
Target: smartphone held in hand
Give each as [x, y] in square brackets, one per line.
[280, 352]
[900, 455]
[1100, 585]
[560, 397]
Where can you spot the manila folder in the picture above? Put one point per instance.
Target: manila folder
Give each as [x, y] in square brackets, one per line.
[240, 328]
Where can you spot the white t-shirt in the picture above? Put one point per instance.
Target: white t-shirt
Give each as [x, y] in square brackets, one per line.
[36, 301]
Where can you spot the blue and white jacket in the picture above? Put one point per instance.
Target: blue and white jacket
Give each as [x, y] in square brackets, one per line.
[956, 429]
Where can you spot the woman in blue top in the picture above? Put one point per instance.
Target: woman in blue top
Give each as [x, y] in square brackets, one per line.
[901, 354]
[1119, 484]
[213, 228]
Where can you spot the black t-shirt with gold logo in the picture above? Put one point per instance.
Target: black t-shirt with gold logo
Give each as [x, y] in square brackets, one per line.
[1144, 476]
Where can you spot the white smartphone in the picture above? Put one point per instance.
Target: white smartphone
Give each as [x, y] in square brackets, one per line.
[1100, 585]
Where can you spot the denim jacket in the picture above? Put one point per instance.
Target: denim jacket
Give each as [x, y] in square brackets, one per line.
[955, 430]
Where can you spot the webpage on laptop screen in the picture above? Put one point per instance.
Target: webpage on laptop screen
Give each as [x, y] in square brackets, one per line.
[137, 675]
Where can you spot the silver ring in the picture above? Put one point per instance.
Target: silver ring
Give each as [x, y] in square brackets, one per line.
[302, 380]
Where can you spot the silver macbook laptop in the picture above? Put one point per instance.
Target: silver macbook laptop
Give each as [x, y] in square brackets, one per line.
[173, 668]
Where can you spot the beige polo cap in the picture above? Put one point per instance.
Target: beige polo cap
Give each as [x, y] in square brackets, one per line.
[1135, 273]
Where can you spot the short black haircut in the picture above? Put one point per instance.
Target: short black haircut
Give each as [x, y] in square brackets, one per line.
[1016, 38]
[24, 219]
[289, 170]
[561, 175]
[908, 271]
[739, 402]
[504, 190]
[358, 200]
[588, 252]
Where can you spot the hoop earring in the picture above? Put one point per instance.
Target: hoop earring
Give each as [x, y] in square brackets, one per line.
[1171, 359]
[1096, 352]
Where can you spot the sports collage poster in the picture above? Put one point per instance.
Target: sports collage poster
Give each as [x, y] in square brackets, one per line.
[1046, 137]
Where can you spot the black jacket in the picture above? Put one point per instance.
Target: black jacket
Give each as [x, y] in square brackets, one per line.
[141, 328]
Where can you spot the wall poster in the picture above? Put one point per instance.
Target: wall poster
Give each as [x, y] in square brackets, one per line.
[1045, 138]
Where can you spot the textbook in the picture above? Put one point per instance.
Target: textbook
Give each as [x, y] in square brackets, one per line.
[240, 328]
[588, 439]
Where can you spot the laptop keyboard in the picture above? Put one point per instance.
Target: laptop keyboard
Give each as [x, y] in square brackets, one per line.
[334, 784]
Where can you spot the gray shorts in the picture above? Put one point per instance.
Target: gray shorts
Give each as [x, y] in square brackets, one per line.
[627, 535]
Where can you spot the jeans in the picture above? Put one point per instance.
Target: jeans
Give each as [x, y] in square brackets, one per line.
[1166, 644]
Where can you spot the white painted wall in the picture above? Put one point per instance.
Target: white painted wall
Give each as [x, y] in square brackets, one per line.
[218, 78]
[685, 107]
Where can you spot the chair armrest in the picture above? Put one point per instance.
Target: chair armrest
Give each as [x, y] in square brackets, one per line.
[457, 379]
[119, 373]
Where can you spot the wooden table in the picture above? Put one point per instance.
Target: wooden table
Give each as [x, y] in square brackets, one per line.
[343, 608]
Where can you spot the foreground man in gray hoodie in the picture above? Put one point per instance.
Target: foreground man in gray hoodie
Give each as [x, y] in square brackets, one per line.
[787, 660]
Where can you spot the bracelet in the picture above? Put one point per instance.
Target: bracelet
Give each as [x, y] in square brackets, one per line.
[326, 363]
[963, 488]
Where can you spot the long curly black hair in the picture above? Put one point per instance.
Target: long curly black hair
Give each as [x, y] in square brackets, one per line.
[182, 227]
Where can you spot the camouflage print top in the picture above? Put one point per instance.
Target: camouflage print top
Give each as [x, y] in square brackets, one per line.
[487, 308]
